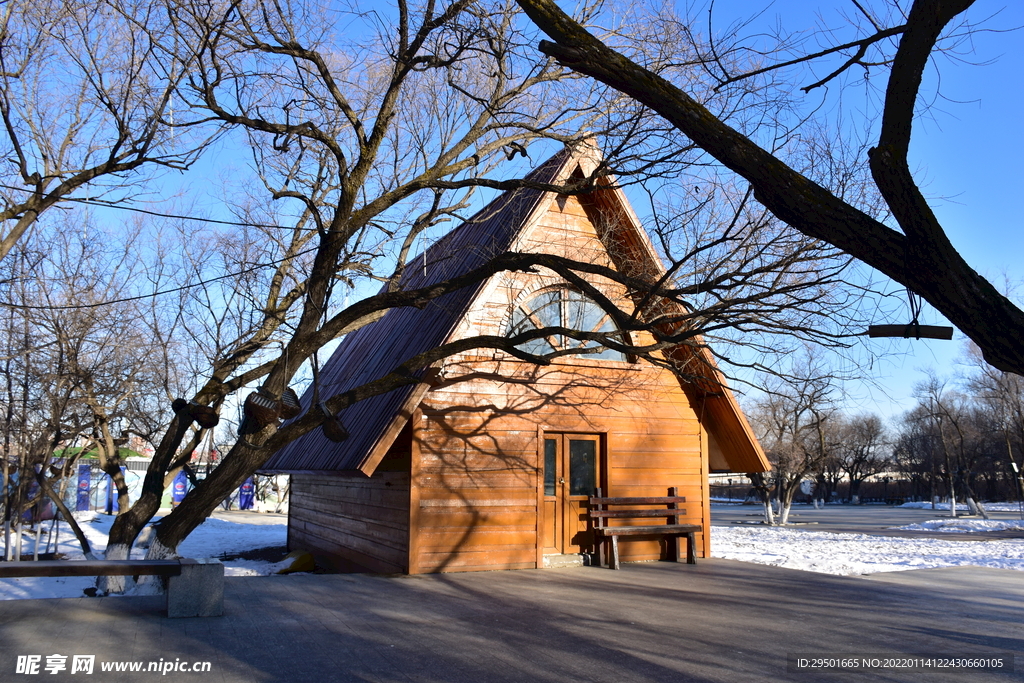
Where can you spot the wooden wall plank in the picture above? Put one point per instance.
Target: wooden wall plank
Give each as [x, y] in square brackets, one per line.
[468, 561]
[465, 539]
[686, 460]
[439, 518]
[415, 465]
[461, 480]
[355, 519]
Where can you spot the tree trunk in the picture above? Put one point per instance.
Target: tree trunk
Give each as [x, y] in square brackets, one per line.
[66, 513]
[764, 491]
[785, 503]
[201, 501]
[952, 495]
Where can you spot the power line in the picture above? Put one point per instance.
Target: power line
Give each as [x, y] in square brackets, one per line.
[153, 295]
[113, 205]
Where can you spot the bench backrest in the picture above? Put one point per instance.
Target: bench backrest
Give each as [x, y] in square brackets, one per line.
[600, 511]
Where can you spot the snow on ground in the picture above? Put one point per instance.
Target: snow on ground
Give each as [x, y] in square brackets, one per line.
[963, 526]
[991, 507]
[846, 554]
[213, 538]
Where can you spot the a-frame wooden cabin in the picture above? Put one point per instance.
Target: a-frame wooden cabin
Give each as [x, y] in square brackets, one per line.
[493, 472]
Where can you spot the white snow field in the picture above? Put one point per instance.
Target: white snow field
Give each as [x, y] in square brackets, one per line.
[845, 554]
[211, 539]
[991, 507]
[963, 526]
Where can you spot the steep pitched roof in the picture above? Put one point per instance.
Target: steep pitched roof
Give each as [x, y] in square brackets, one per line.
[372, 351]
[633, 254]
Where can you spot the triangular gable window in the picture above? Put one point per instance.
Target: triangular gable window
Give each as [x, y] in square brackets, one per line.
[563, 307]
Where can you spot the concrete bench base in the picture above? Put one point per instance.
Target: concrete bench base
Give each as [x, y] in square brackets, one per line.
[198, 591]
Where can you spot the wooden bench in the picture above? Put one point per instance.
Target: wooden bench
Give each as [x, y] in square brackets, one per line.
[601, 511]
[195, 588]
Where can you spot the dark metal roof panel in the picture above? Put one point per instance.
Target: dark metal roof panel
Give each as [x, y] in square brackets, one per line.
[374, 350]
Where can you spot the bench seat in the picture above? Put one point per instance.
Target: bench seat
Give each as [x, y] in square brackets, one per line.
[49, 568]
[195, 587]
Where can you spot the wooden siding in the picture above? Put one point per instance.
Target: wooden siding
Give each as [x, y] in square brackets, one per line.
[479, 473]
[353, 519]
[477, 442]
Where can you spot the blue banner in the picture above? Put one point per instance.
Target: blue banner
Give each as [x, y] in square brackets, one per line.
[84, 482]
[112, 493]
[179, 488]
[246, 494]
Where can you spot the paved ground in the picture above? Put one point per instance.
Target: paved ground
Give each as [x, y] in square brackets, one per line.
[863, 519]
[718, 621]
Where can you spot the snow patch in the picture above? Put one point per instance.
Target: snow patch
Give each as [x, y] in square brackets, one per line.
[990, 507]
[213, 538]
[963, 526]
[846, 554]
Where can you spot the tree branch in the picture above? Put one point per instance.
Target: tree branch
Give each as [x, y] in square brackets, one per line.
[929, 267]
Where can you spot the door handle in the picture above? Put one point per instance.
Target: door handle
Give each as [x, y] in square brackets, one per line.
[561, 480]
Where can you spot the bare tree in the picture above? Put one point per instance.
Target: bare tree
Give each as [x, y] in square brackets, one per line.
[364, 145]
[956, 423]
[87, 356]
[86, 104]
[919, 255]
[860, 450]
[794, 422]
[1002, 394]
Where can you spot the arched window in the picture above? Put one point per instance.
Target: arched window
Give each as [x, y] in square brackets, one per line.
[562, 307]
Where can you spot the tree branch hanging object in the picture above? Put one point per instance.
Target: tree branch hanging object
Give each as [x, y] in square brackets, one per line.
[914, 329]
[911, 331]
[290, 406]
[332, 426]
[205, 416]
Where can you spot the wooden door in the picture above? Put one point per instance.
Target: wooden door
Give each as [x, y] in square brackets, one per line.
[573, 469]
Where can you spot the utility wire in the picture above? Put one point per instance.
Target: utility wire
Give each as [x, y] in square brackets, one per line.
[153, 295]
[113, 205]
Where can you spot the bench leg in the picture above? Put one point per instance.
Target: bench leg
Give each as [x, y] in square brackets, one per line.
[691, 550]
[613, 561]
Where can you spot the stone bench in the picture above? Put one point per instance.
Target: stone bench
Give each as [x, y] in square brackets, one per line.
[195, 588]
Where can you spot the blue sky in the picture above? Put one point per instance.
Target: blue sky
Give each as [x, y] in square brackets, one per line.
[966, 152]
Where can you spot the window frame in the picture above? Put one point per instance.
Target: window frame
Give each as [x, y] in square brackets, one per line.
[565, 296]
